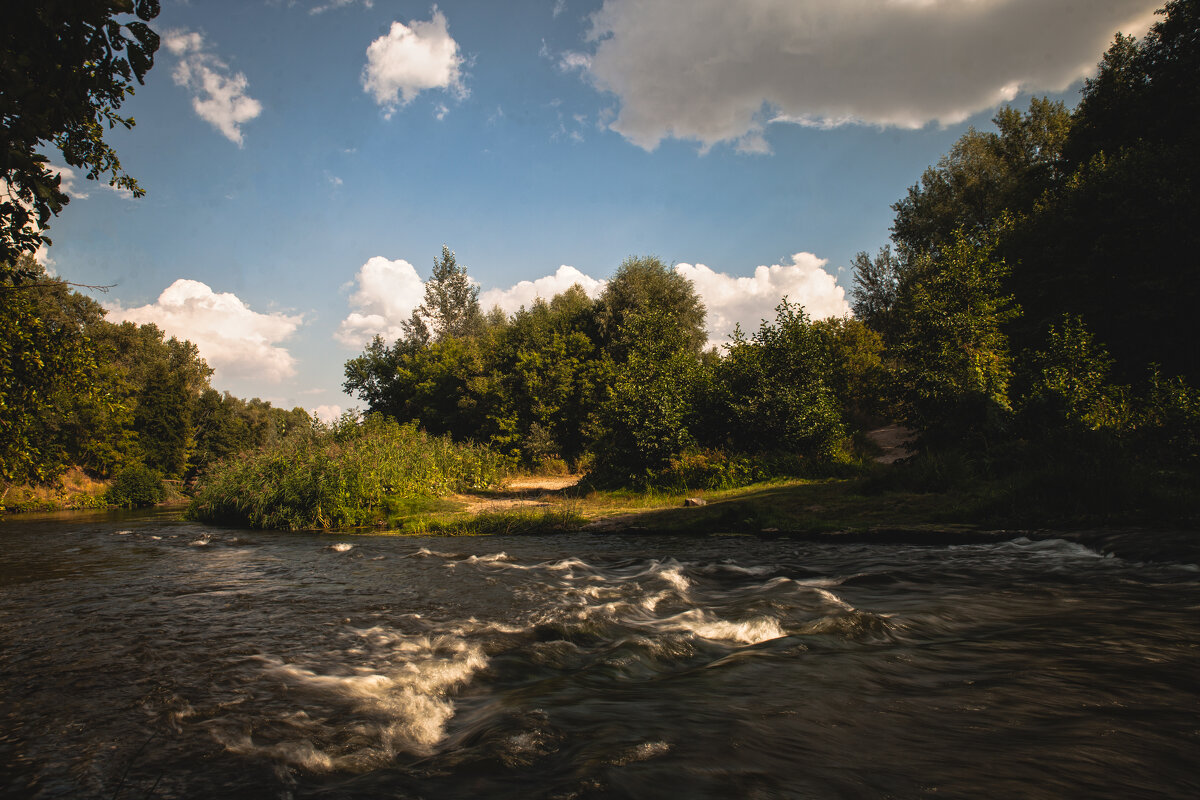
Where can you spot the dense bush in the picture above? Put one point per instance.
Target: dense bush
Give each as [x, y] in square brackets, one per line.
[341, 476]
[136, 486]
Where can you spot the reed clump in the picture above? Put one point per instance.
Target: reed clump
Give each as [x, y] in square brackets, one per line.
[342, 475]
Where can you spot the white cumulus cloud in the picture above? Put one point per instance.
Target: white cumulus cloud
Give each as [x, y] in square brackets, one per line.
[747, 301]
[326, 413]
[717, 71]
[387, 292]
[235, 340]
[386, 295]
[411, 59]
[218, 94]
[525, 293]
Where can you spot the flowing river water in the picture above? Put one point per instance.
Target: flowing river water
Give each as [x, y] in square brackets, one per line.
[141, 656]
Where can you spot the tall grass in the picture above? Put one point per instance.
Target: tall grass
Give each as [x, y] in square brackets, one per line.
[341, 476]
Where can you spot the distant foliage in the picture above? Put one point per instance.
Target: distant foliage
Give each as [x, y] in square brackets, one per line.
[340, 476]
[620, 385]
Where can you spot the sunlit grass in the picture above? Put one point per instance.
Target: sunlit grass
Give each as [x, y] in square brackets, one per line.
[74, 490]
[347, 476]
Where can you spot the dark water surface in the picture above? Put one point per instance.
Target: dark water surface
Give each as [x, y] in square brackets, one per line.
[145, 657]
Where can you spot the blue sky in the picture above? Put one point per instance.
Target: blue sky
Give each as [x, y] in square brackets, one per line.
[305, 161]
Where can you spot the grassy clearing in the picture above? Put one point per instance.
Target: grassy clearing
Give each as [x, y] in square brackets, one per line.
[781, 506]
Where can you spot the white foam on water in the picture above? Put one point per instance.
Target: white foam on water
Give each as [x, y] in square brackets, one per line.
[488, 559]
[300, 753]
[674, 576]
[403, 697]
[568, 564]
[122, 533]
[203, 541]
[473, 626]
[341, 547]
[707, 626]
[425, 552]
[833, 600]
[820, 583]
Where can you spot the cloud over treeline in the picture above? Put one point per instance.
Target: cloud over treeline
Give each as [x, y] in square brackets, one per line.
[718, 71]
[236, 341]
[386, 293]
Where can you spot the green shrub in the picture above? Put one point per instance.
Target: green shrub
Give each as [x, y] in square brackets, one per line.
[344, 475]
[136, 486]
[709, 469]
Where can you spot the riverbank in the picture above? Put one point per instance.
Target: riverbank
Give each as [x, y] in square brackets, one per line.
[74, 491]
[904, 503]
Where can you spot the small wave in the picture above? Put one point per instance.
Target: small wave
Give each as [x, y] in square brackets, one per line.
[425, 552]
[492, 558]
[700, 623]
[833, 600]
[643, 752]
[736, 569]
[674, 576]
[341, 547]
[402, 704]
[122, 533]
[203, 541]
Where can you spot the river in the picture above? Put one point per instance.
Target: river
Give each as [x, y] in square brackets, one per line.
[142, 656]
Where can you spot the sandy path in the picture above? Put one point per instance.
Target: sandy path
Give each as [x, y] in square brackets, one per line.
[528, 492]
[894, 441]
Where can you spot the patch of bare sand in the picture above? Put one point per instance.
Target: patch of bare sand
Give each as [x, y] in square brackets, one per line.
[894, 441]
[545, 483]
[527, 492]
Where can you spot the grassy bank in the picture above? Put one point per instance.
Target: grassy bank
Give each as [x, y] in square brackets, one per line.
[74, 491]
[926, 495]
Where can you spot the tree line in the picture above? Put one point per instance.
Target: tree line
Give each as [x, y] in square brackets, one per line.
[1041, 279]
[78, 390]
[621, 386]
[1039, 286]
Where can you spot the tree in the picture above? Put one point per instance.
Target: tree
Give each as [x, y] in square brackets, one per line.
[1069, 380]
[643, 285]
[876, 284]
[1115, 241]
[451, 307]
[66, 66]
[549, 379]
[983, 175]
[45, 361]
[648, 413]
[856, 372]
[954, 359]
[775, 396]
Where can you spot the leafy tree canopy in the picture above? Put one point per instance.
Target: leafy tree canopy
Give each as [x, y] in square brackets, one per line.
[642, 285]
[66, 66]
